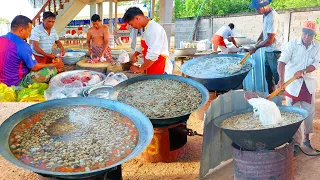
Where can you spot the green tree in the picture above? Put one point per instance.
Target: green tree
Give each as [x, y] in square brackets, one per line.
[290, 4]
[156, 9]
[190, 8]
[4, 20]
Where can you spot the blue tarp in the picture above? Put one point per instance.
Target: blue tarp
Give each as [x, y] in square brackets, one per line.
[255, 80]
[87, 21]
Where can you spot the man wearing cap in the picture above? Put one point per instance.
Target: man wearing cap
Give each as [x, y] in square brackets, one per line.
[271, 40]
[154, 44]
[300, 58]
[225, 32]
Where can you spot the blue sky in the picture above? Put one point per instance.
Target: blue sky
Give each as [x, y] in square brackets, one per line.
[12, 8]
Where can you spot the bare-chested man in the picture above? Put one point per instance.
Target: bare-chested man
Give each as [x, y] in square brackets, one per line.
[99, 34]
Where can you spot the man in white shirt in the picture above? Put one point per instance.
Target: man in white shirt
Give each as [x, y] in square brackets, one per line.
[270, 39]
[133, 35]
[300, 58]
[154, 44]
[43, 37]
[225, 32]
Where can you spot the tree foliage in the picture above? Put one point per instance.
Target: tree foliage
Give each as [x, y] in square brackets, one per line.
[190, 8]
[4, 20]
[156, 8]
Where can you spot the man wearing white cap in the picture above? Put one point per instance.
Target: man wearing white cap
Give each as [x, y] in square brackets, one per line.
[300, 58]
[270, 38]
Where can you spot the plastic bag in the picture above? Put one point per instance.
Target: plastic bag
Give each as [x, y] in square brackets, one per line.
[71, 85]
[40, 86]
[95, 79]
[267, 111]
[69, 90]
[26, 92]
[7, 94]
[123, 57]
[83, 77]
[32, 98]
[114, 79]
[34, 93]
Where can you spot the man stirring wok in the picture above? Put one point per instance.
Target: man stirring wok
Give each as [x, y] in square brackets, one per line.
[271, 38]
[154, 44]
[300, 58]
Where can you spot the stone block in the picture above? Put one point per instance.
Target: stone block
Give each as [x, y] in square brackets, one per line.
[300, 17]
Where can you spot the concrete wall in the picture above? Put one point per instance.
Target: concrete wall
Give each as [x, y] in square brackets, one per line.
[248, 24]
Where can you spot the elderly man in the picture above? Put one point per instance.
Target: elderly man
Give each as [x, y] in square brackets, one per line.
[300, 58]
[225, 32]
[154, 44]
[17, 64]
[271, 38]
[43, 37]
[99, 35]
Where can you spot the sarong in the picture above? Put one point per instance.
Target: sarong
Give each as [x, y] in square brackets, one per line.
[42, 76]
[97, 50]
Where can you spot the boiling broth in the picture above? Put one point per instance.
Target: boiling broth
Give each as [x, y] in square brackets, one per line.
[73, 139]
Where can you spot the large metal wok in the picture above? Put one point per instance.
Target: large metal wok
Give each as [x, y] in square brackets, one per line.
[160, 122]
[226, 83]
[141, 122]
[264, 139]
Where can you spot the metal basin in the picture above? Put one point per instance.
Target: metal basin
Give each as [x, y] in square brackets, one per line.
[72, 57]
[56, 80]
[141, 122]
[264, 139]
[243, 40]
[163, 122]
[220, 83]
[246, 47]
[97, 91]
[185, 51]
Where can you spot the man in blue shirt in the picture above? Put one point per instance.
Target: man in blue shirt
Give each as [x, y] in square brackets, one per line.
[17, 64]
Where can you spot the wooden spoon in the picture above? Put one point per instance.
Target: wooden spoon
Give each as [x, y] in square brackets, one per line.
[233, 68]
[248, 54]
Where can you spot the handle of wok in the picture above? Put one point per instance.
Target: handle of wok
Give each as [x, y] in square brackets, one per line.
[248, 54]
[278, 90]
